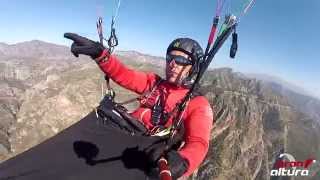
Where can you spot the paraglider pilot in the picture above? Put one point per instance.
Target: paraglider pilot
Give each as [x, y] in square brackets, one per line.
[182, 63]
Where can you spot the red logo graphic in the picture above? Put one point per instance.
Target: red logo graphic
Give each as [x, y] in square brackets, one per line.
[291, 167]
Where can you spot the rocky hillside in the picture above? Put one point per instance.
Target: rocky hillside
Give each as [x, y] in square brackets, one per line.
[254, 121]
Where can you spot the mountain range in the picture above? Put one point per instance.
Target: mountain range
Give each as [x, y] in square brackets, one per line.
[44, 89]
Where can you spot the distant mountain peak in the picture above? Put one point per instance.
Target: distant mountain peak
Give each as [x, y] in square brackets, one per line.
[36, 42]
[3, 44]
[135, 53]
[35, 49]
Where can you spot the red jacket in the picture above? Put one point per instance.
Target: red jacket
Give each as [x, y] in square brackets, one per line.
[198, 117]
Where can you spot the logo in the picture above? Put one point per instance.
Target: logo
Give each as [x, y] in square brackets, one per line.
[286, 165]
[177, 44]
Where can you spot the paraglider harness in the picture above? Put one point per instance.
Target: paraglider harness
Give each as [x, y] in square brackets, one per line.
[115, 114]
[109, 112]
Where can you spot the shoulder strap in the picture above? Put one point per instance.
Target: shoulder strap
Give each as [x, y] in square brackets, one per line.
[143, 95]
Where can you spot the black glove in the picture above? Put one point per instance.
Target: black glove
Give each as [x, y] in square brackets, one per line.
[177, 165]
[82, 45]
[154, 152]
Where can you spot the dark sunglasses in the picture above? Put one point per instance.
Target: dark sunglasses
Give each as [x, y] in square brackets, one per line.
[180, 60]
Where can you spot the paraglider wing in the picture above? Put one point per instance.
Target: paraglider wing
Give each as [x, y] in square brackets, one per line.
[86, 150]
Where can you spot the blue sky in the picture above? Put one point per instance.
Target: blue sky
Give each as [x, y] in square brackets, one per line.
[276, 37]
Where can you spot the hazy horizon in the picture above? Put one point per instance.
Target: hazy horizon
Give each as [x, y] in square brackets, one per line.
[276, 79]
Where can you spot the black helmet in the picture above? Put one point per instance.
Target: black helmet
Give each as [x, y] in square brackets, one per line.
[188, 46]
[191, 48]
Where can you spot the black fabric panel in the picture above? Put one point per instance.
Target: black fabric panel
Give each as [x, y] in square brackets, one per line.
[86, 150]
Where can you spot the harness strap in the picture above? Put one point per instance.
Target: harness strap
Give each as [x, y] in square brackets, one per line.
[144, 95]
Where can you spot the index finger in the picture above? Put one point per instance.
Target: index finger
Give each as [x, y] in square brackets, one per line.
[73, 36]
